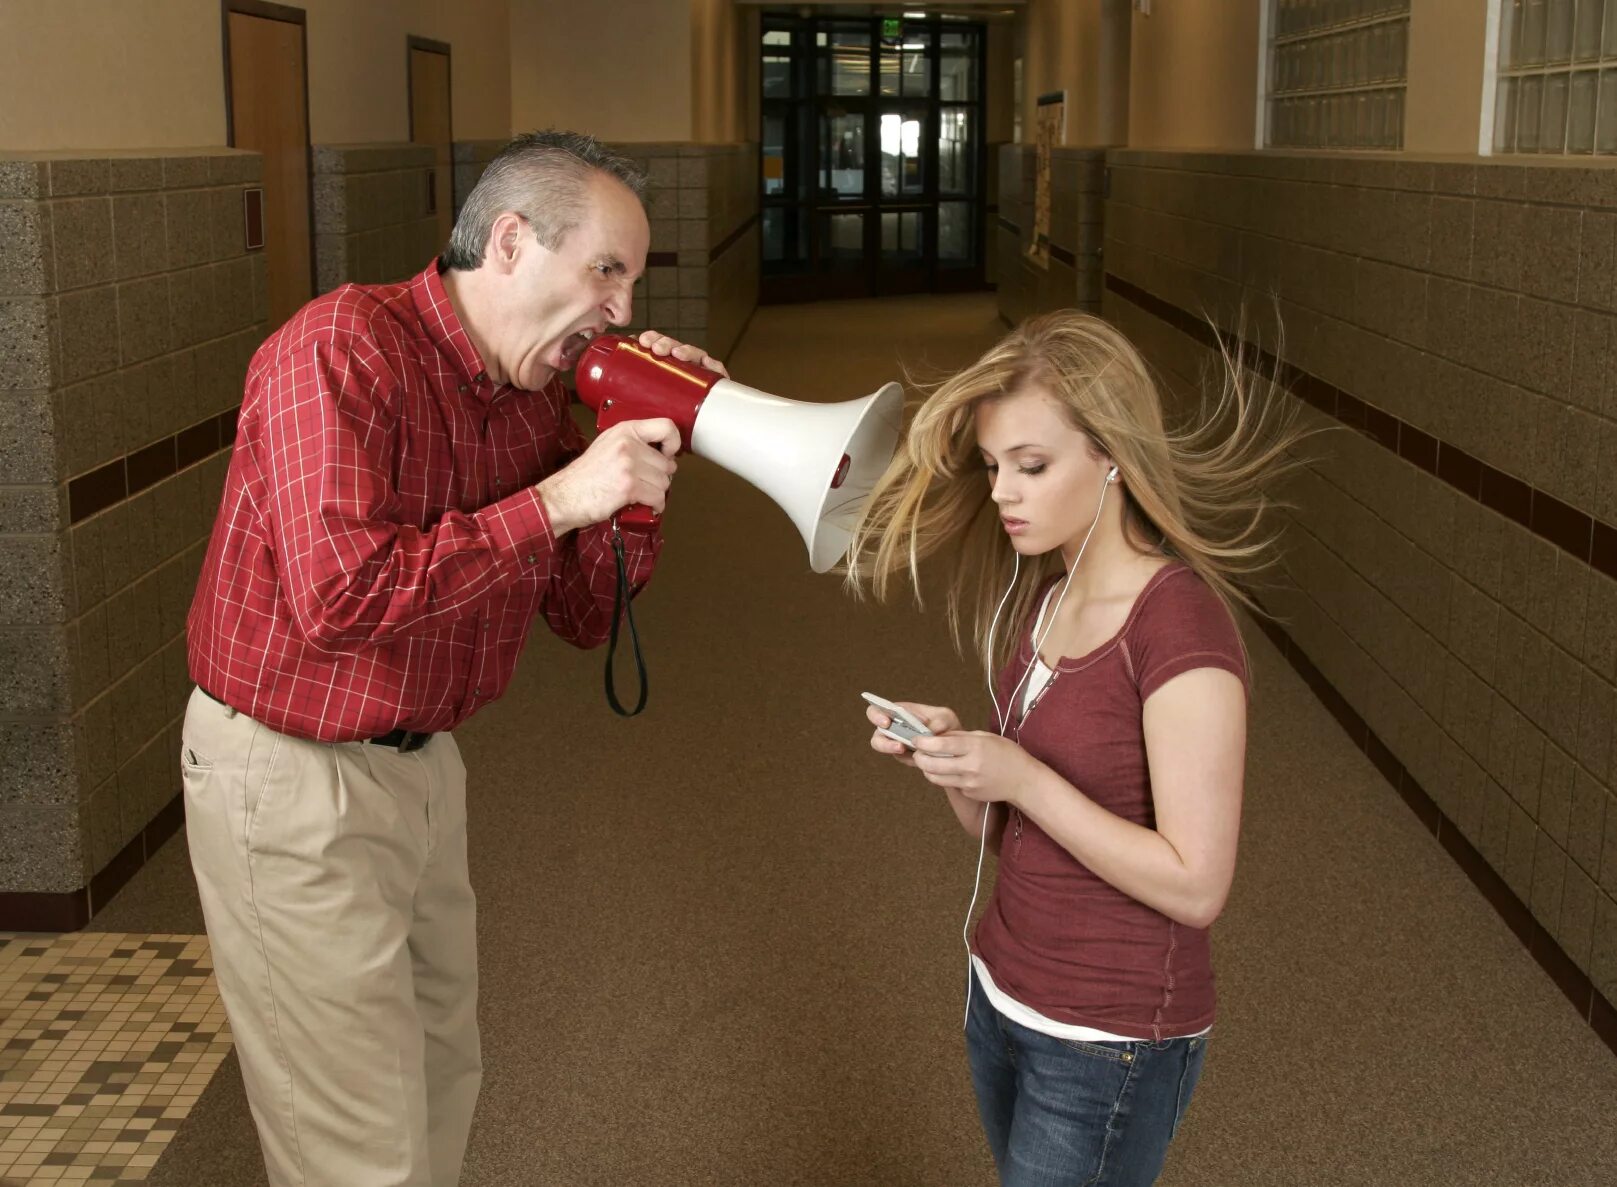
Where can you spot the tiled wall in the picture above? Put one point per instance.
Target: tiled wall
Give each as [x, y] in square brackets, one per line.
[128, 310]
[372, 215]
[701, 281]
[994, 151]
[471, 158]
[1452, 562]
[1073, 278]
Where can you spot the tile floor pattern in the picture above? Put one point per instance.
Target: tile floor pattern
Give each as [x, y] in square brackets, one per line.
[106, 1041]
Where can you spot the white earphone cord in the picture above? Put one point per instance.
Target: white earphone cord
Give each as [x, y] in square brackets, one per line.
[1002, 716]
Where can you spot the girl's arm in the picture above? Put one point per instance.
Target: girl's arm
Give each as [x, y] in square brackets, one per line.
[1195, 744]
[970, 814]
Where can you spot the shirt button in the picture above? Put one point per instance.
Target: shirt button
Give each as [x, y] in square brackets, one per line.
[480, 376]
[463, 389]
[477, 692]
[532, 559]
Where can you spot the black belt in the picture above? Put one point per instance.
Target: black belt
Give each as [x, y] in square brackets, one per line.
[404, 741]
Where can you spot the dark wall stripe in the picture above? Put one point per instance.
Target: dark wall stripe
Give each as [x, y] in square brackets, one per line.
[1568, 528]
[1591, 1005]
[123, 478]
[71, 910]
[1571, 529]
[730, 239]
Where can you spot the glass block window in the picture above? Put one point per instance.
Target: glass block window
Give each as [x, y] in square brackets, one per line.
[1337, 73]
[1557, 76]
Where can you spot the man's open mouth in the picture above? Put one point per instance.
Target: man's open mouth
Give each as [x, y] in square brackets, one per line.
[573, 345]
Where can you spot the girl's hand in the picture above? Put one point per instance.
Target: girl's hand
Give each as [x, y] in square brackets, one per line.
[936, 718]
[981, 766]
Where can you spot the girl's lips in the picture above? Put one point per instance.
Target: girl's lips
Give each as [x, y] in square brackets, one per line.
[1014, 526]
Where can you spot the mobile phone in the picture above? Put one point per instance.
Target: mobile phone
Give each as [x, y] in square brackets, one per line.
[905, 726]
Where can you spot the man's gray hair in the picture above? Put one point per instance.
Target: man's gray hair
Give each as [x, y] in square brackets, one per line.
[544, 177]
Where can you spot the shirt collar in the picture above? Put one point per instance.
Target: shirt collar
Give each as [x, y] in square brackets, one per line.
[444, 328]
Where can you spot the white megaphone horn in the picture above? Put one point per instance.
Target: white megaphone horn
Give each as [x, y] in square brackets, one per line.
[817, 461]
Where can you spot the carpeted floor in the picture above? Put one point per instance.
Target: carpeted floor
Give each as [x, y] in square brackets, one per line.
[721, 942]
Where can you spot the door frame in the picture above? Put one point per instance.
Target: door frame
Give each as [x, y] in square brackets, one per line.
[294, 16]
[428, 45]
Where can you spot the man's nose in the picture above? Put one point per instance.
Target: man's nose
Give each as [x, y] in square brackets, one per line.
[619, 307]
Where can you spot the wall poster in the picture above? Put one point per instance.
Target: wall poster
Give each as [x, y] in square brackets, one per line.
[1049, 131]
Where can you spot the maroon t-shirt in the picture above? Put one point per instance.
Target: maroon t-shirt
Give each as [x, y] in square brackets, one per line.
[1055, 936]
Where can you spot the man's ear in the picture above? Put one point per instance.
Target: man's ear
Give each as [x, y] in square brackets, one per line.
[505, 241]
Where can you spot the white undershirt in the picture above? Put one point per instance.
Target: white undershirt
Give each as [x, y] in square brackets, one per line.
[1003, 1002]
[1041, 673]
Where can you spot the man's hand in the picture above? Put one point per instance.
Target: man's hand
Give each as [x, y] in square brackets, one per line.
[631, 462]
[664, 345]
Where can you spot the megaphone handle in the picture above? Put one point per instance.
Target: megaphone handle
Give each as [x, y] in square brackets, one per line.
[637, 515]
[621, 609]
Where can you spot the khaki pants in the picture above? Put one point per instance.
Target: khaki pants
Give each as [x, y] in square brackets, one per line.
[334, 884]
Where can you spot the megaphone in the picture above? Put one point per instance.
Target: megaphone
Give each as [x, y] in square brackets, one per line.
[817, 461]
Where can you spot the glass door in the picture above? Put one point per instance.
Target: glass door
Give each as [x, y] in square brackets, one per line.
[871, 161]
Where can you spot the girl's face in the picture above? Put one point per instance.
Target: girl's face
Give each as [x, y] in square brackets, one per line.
[1046, 476]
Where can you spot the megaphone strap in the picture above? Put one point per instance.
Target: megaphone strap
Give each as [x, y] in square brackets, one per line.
[622, 606]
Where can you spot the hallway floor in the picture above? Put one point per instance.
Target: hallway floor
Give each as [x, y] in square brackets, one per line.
[721, 942]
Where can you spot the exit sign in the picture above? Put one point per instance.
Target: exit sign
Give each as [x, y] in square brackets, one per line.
[892, 27]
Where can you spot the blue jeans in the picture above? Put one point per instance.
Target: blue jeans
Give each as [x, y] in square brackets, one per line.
[1059, 1113]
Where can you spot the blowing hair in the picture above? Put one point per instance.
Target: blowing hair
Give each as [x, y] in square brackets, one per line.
[1197, 492]
[544, 177]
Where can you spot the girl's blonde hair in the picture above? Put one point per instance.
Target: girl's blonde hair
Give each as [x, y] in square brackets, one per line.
[1198, 492]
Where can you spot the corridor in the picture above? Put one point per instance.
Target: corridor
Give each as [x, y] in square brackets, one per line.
[720, 943]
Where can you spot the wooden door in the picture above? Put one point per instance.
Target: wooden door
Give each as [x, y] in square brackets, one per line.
[269, 113]
[430, 123]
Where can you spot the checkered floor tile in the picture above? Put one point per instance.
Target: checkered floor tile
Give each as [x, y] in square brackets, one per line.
[106, 1041]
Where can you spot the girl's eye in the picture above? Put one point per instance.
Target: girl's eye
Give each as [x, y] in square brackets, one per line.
[1034, 469]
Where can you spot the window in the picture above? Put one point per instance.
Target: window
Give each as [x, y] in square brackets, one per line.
[1557, 74]
[1337, 73]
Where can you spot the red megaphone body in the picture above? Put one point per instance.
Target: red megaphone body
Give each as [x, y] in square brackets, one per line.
[817, 461]
[622, 380]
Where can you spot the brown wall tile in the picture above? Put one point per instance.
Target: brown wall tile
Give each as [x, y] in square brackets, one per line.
[27, 260]
[139, 235]
[187, 226]
[1552, 243]
[1595, 261]
[88, 320]
[25, 344]
[144, 320]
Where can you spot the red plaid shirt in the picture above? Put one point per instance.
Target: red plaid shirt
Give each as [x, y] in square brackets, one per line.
[381, 551]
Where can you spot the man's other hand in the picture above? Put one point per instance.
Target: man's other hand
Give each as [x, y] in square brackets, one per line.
[664, 345]
[631, 462]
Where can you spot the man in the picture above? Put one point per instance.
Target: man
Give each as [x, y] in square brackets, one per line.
[406, 493]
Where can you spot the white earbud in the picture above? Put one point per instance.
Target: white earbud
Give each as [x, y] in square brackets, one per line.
[1112, 476]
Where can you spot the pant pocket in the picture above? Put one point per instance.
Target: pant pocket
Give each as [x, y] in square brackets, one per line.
[1189, 1075]
[1115, 1052]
